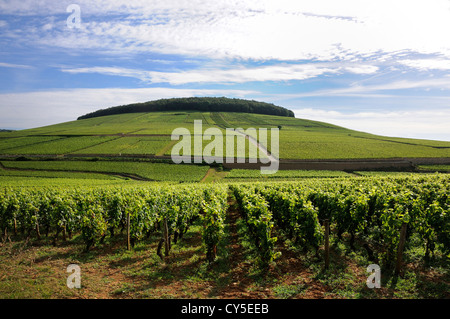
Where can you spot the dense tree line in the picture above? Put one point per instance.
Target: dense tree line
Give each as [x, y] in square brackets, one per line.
[203, 104]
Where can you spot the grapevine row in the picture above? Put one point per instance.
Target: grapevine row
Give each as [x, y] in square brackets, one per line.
[255, 211]
[99, 212]
[369, 211]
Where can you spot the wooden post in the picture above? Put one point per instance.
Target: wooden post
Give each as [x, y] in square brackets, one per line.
[128, 232]
[166, 238]
[64, 232]
[38, 234]
[6, 234]
[401, 245]
[327, 243]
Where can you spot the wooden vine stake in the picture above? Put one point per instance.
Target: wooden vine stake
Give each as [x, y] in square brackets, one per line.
[327, 243]
[38, 233]
[128, 232]
[401, 246]
[166, 238]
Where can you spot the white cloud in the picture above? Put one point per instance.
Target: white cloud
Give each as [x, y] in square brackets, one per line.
[426, 124]
[362, 69]
[47, 27]
[252, 29]
[14, 66]
[370, 90]
[282, 72]
[428, 64]
[117, 71]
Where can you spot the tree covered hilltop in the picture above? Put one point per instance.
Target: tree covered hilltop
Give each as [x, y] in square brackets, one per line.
[203, 104]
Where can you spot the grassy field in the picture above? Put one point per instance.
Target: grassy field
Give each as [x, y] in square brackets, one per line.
[435, 168]
[54, 174]
[27, 181]
[60, 146]
[145, 170]
[7, 144]
[288, 174]
[391, 174]
[129, 145]
[31, 172]
[149, 133]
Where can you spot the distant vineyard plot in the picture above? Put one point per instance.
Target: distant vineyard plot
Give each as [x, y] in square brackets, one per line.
[144, 170]
[244, 174]
[150, 134]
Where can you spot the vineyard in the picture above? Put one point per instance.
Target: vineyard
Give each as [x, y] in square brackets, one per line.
[366, 213]
[161, 172]
[144, 134]
[96, 213]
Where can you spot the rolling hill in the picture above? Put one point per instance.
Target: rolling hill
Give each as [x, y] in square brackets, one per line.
[149, 134]
[146, 136]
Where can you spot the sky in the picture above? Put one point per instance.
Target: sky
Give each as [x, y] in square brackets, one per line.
[377, 66]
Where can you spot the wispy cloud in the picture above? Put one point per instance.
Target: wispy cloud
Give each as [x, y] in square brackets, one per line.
[14, 66]
[260, 30]
[428, 64]
[370, 90]
[282, 72]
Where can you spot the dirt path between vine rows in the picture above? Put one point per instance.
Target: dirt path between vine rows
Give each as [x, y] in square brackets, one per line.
[239, 280]
[288, 270]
